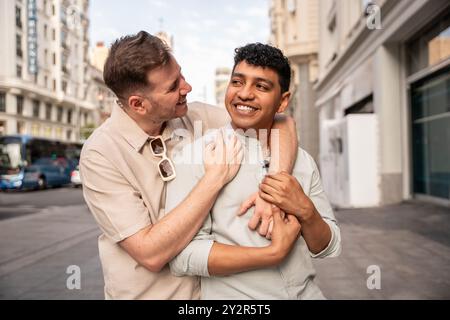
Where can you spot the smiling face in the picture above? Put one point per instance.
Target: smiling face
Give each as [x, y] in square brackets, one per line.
[165, 99]
[254, 96]
[169, 91]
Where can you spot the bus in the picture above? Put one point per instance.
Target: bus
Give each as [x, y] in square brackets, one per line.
[28, 162]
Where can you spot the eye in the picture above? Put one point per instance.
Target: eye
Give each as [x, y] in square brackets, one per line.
[236, 82]
[262, 87]
[174, 87]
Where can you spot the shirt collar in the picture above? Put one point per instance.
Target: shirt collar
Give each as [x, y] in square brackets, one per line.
[137, 137]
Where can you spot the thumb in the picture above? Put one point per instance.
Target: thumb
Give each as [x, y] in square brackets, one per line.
[291, 218]
[247, 204]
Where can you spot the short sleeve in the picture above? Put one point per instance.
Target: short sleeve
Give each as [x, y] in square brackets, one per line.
[117, 207]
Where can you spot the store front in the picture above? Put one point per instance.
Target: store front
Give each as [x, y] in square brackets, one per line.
[429, 82]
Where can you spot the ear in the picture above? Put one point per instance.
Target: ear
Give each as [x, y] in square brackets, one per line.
[285, 97]
[136, 103]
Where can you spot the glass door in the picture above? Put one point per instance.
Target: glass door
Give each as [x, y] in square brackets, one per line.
[430, 111]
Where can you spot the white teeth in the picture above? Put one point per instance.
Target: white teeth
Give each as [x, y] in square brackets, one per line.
[245, 108]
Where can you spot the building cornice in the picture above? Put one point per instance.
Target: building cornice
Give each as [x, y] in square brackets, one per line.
[398, 26]
[29, 89]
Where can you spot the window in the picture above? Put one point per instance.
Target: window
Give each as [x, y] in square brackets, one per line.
[19, 71]
[53, 10]
[45, 31]
[69, 116]
[64, 86]
[48, 132]
[64, 62]
[46, 81]
[59, 133]
[69, 134]
[35, 129]
[53, 34]
[2, 102]
[19, 105]
[48, 111]
[291, 6]
[21, 127]
[19, 45]
[18, 17]
[430, 113]
[64, 39]
[430, 47]
[36, 108]
[54, 84]
[59, 114]
[54, 58]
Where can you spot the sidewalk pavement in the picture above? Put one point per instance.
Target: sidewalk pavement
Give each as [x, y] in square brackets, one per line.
[37, 249]
[410, 243]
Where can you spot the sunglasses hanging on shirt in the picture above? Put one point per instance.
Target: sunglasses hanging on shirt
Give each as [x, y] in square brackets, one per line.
[165, 166]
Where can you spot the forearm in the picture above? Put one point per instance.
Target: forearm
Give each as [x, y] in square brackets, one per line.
[171, 234]
[283, 144]
[316, 232]
[227, 259]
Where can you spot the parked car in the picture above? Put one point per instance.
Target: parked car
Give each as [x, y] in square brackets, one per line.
[40, 176]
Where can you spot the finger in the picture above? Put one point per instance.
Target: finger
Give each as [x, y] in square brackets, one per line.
[267, 197]
[219, 148]
[276, 176]
[292, 219]
[277, 184]
[247, 204]
[268, 189]
[233, 149]
[276, 216]
[269, 232]
[254, 221]
[238, 155]
[264, 227]
[208, 153]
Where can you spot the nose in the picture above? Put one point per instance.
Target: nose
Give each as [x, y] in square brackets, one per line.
[185, 87]
[245, 93]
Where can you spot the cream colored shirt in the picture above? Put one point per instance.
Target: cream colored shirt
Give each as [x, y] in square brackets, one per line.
[294, 277]
[125, 193]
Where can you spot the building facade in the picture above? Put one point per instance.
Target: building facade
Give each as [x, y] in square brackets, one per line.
[45, 69]
[295, 30]
[221, 83]
[383, 95]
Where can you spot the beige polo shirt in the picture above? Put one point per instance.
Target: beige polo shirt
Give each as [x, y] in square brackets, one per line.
[125, 193]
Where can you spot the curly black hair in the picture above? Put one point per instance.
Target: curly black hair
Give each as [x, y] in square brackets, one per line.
[264, 55]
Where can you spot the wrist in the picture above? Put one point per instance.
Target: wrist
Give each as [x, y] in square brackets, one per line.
[273, 254]
[308, 216]
[213, 181]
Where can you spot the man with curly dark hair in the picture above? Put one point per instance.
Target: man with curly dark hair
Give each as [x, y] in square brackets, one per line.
[233, 261]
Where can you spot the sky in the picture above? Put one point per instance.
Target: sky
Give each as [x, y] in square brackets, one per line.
[204, 32]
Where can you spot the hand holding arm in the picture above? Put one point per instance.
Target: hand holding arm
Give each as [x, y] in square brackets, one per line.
[283, 150]
[284, 191]
[226, 259]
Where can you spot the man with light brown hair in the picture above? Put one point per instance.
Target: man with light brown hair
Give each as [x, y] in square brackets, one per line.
[126, 163]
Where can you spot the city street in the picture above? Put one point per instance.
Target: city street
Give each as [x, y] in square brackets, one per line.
[43, 233]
